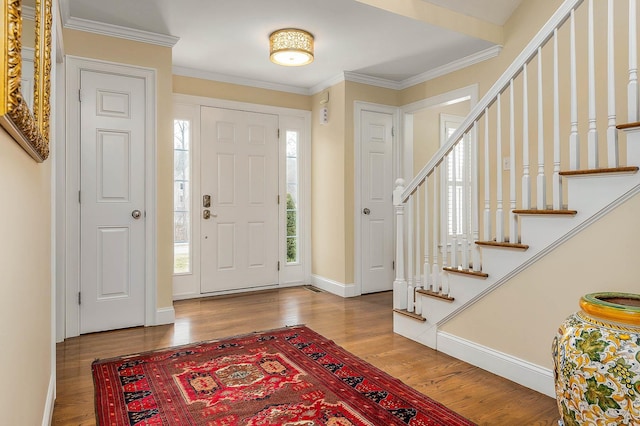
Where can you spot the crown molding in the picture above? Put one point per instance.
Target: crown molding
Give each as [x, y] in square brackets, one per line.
[372, 81]
[206, 75]
[339, 78]
[456, 65]
[120, 32]
[354, 77]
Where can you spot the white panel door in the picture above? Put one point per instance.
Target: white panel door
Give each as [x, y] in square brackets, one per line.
[112, 185]
[239, 171]
[377, 209]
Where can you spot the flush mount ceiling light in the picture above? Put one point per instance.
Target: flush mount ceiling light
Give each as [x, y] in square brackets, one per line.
[291, 47]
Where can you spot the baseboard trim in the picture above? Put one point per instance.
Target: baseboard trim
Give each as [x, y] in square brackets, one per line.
[334, 287]
[517, 370]
[47, 415]
[165, 316]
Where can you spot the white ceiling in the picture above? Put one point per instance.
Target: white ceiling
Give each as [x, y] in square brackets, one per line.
[228, 39]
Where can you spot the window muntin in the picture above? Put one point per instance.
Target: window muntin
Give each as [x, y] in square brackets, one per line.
[292, 200]
[182, 249]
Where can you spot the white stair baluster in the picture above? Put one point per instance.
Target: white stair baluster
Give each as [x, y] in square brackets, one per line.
[487, 179]
[574, 137]
[557, 180]
[428, 279]
[452, 187]
[541, 184]
[410, 238]
[399, 284]
[526, 178]
[632, 87]
[464, 203]
[417, 281]
[437, 266]
[475, 225]
[499, 187]
[592, 135]
[513, 220]
[612, 132]
[444, 227]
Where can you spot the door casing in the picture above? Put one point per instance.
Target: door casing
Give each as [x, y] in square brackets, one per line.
[359, 107]
[74, 66]
[187, 286]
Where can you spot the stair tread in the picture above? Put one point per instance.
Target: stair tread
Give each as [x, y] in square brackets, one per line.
[609, 170]
[626, 126]
[546, 212]
[466, 272]
[503, 244]
[435, 294]
[410, 314]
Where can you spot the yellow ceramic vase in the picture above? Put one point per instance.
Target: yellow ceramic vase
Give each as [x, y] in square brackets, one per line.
[597, 362]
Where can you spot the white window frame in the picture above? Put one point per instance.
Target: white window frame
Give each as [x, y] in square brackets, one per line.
[188, 281]
[448, 124]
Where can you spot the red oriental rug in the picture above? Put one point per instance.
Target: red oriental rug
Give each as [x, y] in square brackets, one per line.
[290, 376]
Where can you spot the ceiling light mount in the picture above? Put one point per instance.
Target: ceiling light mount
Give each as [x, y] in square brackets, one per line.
[291, 47]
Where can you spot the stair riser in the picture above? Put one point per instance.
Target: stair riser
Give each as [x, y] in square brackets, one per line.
[589, 194]
[633, 147]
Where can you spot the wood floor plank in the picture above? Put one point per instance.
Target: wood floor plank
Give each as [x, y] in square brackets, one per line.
[362, 325]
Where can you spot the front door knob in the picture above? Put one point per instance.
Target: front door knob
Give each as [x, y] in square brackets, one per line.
[366, 211]
[136, 214]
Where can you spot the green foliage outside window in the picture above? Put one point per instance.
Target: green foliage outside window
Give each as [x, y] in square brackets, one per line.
[292, 227]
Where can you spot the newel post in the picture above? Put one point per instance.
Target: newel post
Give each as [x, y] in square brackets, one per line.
[399, 284]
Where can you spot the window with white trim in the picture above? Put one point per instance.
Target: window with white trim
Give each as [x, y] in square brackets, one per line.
[455, 184]
[292, 179]
[182, 253]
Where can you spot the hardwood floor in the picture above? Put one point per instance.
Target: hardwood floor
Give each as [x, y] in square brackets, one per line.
[362, 325]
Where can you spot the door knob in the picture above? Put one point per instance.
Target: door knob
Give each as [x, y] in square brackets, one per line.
[136, 214]
[366, 211]
[207, 214]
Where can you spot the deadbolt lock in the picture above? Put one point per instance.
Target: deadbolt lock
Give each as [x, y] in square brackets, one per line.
[206, 200]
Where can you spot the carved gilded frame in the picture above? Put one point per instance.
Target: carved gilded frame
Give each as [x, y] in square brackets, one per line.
[29, 127]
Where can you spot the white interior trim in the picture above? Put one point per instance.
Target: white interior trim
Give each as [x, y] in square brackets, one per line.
[406, 112]
[47, 414]
[166, 315]
[334, 287]
[191, 289]
[232, 79]
[515, 369]
[457, 65]
[396, 142]
[111, 30]
[72, 236]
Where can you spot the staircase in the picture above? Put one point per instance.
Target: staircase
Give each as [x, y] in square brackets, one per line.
[535, 162]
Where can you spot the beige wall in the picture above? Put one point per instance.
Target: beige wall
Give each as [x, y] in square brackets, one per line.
[234, 92]
[521, 317]
[332, 192]
[328, 188]
[82, 44]
[426, 131]
[25, 310]
[526, 21]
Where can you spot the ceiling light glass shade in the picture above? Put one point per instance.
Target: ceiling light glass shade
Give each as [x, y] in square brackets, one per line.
[291, 47]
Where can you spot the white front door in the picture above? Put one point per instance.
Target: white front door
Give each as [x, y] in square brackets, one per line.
[239, 174]
[377, 209]
[112, 209]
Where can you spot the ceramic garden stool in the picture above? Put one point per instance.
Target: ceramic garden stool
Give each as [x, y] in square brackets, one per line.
[597, 362]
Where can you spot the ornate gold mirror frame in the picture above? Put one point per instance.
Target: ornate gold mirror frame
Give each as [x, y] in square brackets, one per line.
[30, 128]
